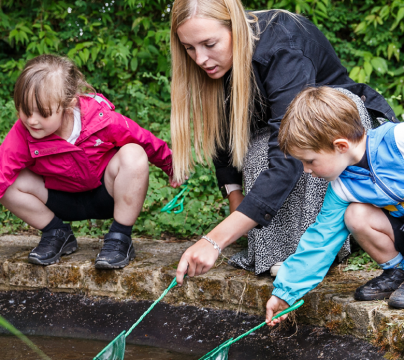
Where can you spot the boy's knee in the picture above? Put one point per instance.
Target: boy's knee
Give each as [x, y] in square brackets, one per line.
[357, 216]
[133, 157]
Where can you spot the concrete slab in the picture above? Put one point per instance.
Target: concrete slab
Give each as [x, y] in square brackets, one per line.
[331, 304]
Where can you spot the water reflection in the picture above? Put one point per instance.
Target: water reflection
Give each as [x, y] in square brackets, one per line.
[78, 349]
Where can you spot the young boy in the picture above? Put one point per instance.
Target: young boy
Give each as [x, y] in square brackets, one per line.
[365, 197]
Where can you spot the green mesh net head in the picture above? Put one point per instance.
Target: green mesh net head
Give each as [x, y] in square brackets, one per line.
[115, 349]
[219, 353]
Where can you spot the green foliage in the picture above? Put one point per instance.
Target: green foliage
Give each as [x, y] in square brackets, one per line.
[122, 47]
[10, 223]
[368, 37]
[204, 206]
[358, 259]
[7, 116]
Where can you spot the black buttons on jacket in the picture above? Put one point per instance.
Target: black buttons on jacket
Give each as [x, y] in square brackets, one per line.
[268, 217]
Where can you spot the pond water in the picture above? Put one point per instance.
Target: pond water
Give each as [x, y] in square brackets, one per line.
[59, 348]
[85, 325]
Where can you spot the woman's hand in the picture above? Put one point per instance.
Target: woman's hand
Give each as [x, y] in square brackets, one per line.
[200, 257]
[173, 183]
[235, 199]
[197, 260]
[275, 306]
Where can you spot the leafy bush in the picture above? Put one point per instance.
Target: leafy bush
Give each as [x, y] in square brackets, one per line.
[360, 260]
[367, 36]
[122, 46]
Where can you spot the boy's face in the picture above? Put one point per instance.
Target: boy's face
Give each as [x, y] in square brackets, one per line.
[323, 164]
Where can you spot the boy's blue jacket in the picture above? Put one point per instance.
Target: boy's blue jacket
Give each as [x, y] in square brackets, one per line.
[382, 186]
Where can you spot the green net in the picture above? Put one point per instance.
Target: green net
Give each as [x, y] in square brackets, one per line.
[171, 205]
[115, 349]
[221, 352]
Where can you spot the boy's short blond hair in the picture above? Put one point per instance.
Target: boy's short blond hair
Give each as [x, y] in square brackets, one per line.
[318, 116]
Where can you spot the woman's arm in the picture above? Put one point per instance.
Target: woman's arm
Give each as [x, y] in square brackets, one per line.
[225, 172]
[235, 199]
[287, 72]
[200, 257]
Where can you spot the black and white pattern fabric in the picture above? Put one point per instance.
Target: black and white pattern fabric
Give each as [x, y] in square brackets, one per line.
[274, 243]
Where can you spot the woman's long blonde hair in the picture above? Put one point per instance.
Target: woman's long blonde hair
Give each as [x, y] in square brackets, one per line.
[198, 98]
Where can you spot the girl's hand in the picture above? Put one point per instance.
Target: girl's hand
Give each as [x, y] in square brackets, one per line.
[173, 183]
[197, 260]
[275, 306]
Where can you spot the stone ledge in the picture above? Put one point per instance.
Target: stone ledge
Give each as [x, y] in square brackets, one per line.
[331, 304]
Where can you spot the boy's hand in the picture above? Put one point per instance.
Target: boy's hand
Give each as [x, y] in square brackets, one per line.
[275, 306]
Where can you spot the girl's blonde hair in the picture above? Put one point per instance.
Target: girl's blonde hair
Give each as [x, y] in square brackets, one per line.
[196, 96]
[49, 80]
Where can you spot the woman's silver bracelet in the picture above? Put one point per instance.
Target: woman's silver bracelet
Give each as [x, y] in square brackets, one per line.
[216, 246]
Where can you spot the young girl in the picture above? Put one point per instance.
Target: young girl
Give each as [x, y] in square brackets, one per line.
[70, 157]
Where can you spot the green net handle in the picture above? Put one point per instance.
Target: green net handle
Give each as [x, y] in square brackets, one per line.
[173, 203]
[288, 310]
[6, 325]
[173, 283]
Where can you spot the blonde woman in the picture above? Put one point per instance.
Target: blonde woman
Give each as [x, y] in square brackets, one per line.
[234, 75]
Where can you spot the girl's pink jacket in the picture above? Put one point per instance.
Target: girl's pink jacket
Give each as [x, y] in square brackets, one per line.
[78, 167]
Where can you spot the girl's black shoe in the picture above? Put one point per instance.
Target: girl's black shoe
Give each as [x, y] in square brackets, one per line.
[54, 243]
[380, 287]
[116, 253]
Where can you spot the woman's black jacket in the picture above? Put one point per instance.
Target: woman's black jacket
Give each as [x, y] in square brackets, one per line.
[288, 57]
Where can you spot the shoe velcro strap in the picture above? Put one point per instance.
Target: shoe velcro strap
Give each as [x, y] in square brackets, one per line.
[118, 236]
[53, 232]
